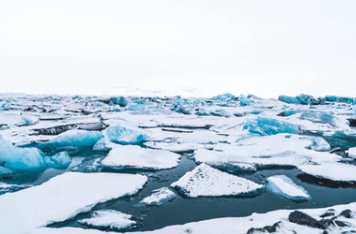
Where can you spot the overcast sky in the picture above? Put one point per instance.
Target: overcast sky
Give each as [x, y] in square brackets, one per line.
[108, 46]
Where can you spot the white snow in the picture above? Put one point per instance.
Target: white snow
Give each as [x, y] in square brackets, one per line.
[159, 197]
[207, 181]
[332, 171]
[132, 156]
[352, 152]
[284, 186]
[112, 219]
[61, 198]
[280, 150]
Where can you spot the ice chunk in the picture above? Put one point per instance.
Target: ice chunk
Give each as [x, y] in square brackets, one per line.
[63, 197]
[244, 101]
[60, 161]
[284, 186]
[132, 156]
[317, 117]
[111, 219]
[349, 100]
[223, 97]
[76, 138]
[28, 120]
[91, 164]
[125, 135]
[332, 171]
[5, 172]
[268, 126]
[352, 152]
[16, 158]
[301, 99]
[159, 197]
[288, 99]
[121, 101]
[207, 181]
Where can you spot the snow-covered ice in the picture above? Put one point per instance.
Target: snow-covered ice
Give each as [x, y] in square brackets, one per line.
[112, 219]
[207, 181]
[61, 198]
[132, 156]
[352, 152]
[332, 171]
[125, 135]
[159, 197]
[284, 186]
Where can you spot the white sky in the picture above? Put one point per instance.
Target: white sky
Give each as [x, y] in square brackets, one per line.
[109, 46]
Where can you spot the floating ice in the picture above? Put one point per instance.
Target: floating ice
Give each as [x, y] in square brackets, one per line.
[28, 120]
[177, 147]
[112, 219]
[76, 138]
[125, 135]
[301, 99]
[121, 101]
[16, 158]
[349, 100]
[207, 181]
[318, 117]
[269, 151]
[268, 126]
[159, 197]
[284, 186]
[244, 101]
[132, 156]
[332, 171]
[288, 99]
[5, 172]
[60, 161]
[63, 197]
[223, 97]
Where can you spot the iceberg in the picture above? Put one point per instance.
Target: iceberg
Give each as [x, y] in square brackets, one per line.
[317, 117]
[16, 158]
[269, 126]
[121, 101]
[28, 120]
[6, 172]
[63, 197]
[223, 97]
[284, 186]
[207, 181]
[135, 157]
[111, 219]
[332, 171]
[330, 98]
[288, 99]
[125, 135]
[159, 197]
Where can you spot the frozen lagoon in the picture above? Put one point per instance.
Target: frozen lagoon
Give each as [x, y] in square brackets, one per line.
[159, 123]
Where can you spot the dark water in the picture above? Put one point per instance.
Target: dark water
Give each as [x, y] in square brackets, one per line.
[183, 210]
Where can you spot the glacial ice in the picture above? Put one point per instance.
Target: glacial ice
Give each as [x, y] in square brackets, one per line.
[121, 101]
[288, 99]
[301, 99]
[15, 158]
[244, 101]
[135, 157]
[331, 171]
[159, 197]
[5, 172]
[269, 126]
[111, 219]
[284, 186]
[125, 135]
[28, 120]
[207, 181]
[76, 138]
[318, 117]
[331, 98]
[59, 161]
[63, 197]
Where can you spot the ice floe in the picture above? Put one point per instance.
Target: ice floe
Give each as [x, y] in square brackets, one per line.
[135, 157]
[61, 198]
[284, 186]
[207, 181]
[159, 197]
[111, 219]
[332, 171]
